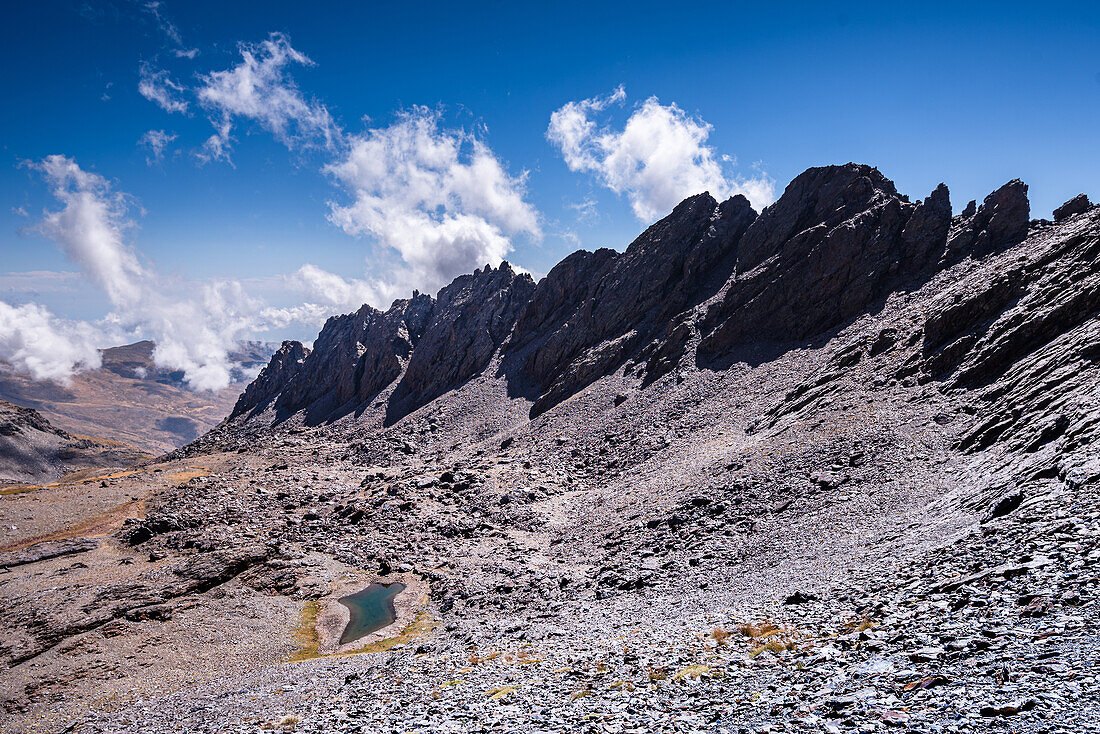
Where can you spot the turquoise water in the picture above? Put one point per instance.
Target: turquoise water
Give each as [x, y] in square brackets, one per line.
[371, 610]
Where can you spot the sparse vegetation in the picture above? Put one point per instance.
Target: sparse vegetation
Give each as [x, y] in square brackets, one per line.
[421, 625]
[772, 646]
[693, 672]
[757, 630]
[657, 673]
[498, 693]
[306, 633]
[287, 723]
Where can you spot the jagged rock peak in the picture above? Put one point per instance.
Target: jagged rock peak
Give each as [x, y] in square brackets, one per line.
[1000, 221]
[355, 357]
[283, 366]
[470, 320]
[838, 239]
[594, 310]
[708, 276]
[827, 196]
[1077, 205]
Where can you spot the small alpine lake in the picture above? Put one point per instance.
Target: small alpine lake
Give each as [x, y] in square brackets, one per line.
[371, 610]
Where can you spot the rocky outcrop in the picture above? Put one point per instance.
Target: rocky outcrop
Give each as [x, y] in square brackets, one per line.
[471, 318]
[283, 367]
[420, 347]
[16, 420]
[1024, 333]
[836, 244]
[1001, 220]
[839, 239]
[354, 358]
[1077, 205]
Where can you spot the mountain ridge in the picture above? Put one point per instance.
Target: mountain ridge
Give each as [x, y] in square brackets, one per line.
[718, 275]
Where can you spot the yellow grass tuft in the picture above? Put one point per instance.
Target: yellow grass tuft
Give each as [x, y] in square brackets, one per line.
[693, 672]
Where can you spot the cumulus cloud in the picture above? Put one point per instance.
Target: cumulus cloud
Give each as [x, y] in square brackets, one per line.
[195, 333]
[156, 142]
[259, 89]
[195, 326]
[157, 86]
[439, 198]
[33, 341]
[337, 292]
[90, 226]
[658, 158]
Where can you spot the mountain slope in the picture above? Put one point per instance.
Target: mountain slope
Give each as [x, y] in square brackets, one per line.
[32, 450]
[831, 466]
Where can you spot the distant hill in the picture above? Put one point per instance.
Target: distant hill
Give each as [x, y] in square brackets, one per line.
[130, 399]
[32, 450]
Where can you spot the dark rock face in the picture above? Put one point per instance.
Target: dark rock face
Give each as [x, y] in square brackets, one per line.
[15, 420]
[1077, 205]
[1027, 337]
[470, 319]
[355, 357]
[424, 345]
[33, 449]
[594, 310]
[838, 239]
[925, 234]
[280, 370]
[1001, 220]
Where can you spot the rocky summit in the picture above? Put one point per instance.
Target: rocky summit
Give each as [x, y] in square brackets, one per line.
[831, 466]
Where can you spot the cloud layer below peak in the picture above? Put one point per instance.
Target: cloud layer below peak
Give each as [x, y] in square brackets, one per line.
[195, 326]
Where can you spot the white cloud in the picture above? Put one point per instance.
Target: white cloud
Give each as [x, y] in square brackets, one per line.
[338, 292]
[90, 226]
[439, 198]
[156, 142]
[656, 160]
[33, 341]
[170, 30]
[328, 293]
[259, 89]
[157, 86]
[195, 333]
[586, 209]
[195, 326]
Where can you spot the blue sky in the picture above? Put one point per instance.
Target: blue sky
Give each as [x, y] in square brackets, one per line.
[746, 97]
